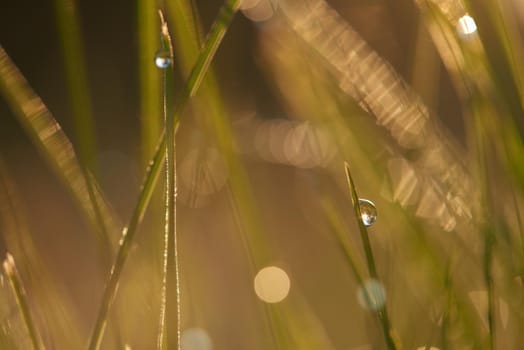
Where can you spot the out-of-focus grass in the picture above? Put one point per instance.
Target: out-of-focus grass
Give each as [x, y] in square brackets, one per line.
[448, 247]
[75, 68]
[150, 96]
[57, 149]
[13, 276]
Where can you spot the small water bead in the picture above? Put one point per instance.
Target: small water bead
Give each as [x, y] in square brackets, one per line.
[368, 212]
[371, 295]
[163, 58]
[466, 26]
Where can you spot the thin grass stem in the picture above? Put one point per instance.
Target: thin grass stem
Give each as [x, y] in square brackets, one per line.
[21, 300]
[382, 312]
[170, 306]
[481, 143]
[191, 86]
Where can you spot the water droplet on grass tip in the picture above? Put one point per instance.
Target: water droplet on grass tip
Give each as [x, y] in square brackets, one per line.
[368, 212]
[163, 58]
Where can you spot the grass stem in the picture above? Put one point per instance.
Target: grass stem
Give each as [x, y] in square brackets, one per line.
[382, 311]
[21, 299]
[170, 305]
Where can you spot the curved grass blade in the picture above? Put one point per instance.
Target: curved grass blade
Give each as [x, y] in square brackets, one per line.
[77, 82]
[21, 299]
[370, 260]
[54, 145]
[191, 86]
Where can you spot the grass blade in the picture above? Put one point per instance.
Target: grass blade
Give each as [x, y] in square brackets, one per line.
[21, 299]
[170, 302]
[54, 145]
[199, 70]
[75, 69]
[382, 312]
[150, 96]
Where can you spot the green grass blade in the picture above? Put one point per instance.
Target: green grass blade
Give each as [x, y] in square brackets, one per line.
[54, 145]
[21, 299]
[382, 312]
[170, 302]
[77, 82]
[217, 32]
[150, 95]
[370, 260]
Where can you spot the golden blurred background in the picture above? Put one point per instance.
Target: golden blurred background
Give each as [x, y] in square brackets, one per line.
[425, 108]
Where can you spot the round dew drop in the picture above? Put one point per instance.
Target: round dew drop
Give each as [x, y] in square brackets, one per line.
[163, 58]
[368, 212]
[466, 26]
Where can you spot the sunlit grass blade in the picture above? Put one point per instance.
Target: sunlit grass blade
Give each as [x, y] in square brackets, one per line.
[77, 82]
[191, 86]
[170, 300]
[54, 145]
[382, 312]
[21, 299]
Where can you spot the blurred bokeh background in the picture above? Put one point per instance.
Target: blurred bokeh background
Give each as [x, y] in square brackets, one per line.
[411, 97]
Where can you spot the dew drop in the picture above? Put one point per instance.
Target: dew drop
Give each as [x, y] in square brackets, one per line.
[162, 58]
[466, 26]
[368, 212]
[371, 295]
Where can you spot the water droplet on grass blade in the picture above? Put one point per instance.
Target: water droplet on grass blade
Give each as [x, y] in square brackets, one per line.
[368, 212]
[163, 58]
